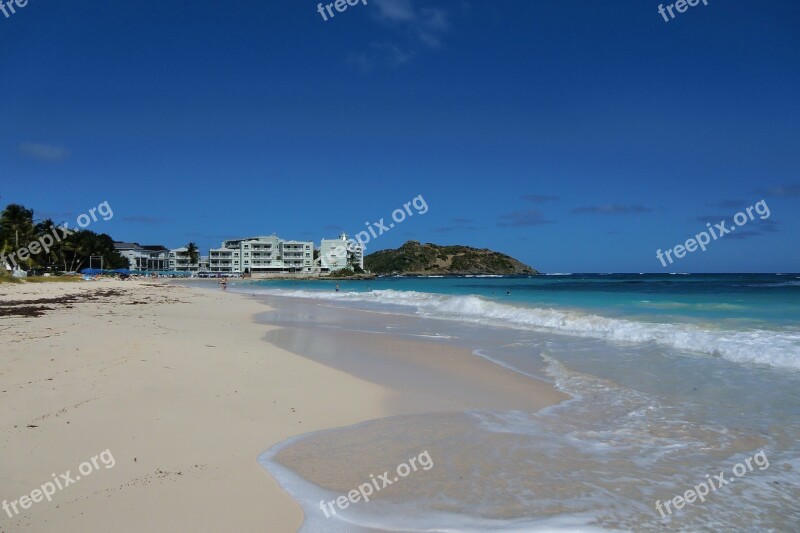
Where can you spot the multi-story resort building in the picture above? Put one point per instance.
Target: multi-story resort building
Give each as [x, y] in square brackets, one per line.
[250, 255]
[159, 258]
[254, 255]
[180, 261]
[297, 256]
[335, 254]
[148, 257]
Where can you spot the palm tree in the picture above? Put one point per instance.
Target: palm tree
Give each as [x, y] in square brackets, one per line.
[193, 253]
[352, 262]
[16, 229]
[16, 225]
[47, 257]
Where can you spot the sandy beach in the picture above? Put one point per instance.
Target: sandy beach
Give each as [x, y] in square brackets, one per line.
[181, 388]
[178, 384]
[174, 406]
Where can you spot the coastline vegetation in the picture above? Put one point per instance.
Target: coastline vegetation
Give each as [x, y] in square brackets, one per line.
[426, 259]
[19, 229]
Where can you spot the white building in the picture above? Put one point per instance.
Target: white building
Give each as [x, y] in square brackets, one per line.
[261, 255]
[179, 260]
[297, 256]
[147, 257]
[336, 254]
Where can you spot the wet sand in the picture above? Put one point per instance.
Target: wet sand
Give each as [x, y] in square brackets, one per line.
[434, 385]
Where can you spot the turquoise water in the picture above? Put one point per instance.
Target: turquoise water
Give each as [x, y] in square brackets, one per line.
[772, 300]
[742, 317]
[672, 378]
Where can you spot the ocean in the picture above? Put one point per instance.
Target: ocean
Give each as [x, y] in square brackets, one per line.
[672, 379]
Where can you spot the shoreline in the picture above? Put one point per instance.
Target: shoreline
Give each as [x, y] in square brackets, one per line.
[427, 375]
[192, 392]
[184, 387]
[437, 385]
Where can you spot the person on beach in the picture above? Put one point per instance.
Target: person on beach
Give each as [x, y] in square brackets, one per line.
[224, 283]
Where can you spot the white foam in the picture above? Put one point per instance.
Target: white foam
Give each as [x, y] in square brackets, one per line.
[774, 348]
[397, 517]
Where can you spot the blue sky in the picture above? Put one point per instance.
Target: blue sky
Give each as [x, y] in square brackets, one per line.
[575, 135]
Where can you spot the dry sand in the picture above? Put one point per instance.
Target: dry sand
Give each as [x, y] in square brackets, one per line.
[180, 385]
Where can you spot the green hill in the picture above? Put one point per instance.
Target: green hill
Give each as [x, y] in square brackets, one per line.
[432, 259]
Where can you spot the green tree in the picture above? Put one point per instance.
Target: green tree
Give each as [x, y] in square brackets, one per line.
[342, 273]
[352, 262]
[70, 251]
[193, 253]
[76, 250]
[16, 229]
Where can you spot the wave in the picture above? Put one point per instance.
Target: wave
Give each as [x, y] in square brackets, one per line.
[773, 348]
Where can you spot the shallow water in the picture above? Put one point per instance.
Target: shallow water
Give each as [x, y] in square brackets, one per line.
[648, 421]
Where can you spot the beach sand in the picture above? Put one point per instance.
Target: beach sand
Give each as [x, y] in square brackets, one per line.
[181, 386]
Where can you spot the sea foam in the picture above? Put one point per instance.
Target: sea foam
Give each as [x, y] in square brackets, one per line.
[769, 347]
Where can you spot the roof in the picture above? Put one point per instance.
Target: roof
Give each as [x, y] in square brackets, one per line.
[127, 245]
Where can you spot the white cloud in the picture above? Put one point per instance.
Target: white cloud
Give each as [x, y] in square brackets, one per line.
[420, 28]
[45, 152]
[395, 10]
